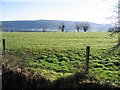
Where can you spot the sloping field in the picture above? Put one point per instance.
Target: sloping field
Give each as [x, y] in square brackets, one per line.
[55, 55]
[98, 40]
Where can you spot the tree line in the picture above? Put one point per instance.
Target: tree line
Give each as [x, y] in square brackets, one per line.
[79, 27]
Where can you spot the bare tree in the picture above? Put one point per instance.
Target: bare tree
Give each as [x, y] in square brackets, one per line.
[85, 26]
[62, 27]
[116, 29]
[77, 26]
[44, 30]
[117, 23]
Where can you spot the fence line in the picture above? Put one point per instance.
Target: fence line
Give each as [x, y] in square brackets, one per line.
[87, 55]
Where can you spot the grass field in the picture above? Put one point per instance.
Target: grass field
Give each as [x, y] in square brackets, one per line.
[60, 54]
[58, 40]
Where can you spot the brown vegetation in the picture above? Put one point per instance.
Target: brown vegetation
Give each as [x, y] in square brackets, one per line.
[22, 79]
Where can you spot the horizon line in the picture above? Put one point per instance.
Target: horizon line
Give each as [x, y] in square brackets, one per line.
[54, 20]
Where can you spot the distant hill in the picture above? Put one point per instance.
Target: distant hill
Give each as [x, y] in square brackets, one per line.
[48, 25]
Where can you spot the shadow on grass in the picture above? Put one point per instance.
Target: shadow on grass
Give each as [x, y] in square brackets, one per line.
[12, 79]
[17, 80]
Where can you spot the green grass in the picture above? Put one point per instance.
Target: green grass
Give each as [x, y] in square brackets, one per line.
[58, 54]
[60, 40]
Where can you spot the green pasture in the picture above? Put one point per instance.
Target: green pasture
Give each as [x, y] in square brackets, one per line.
[62, 40]
[58, 54]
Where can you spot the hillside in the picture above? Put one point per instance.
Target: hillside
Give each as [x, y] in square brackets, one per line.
[57, 60]
[48, 25]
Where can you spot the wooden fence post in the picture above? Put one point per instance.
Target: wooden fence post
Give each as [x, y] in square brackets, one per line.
[3, 46]
[87, 58]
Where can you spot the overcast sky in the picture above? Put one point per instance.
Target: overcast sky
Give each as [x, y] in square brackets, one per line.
[97, 11]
